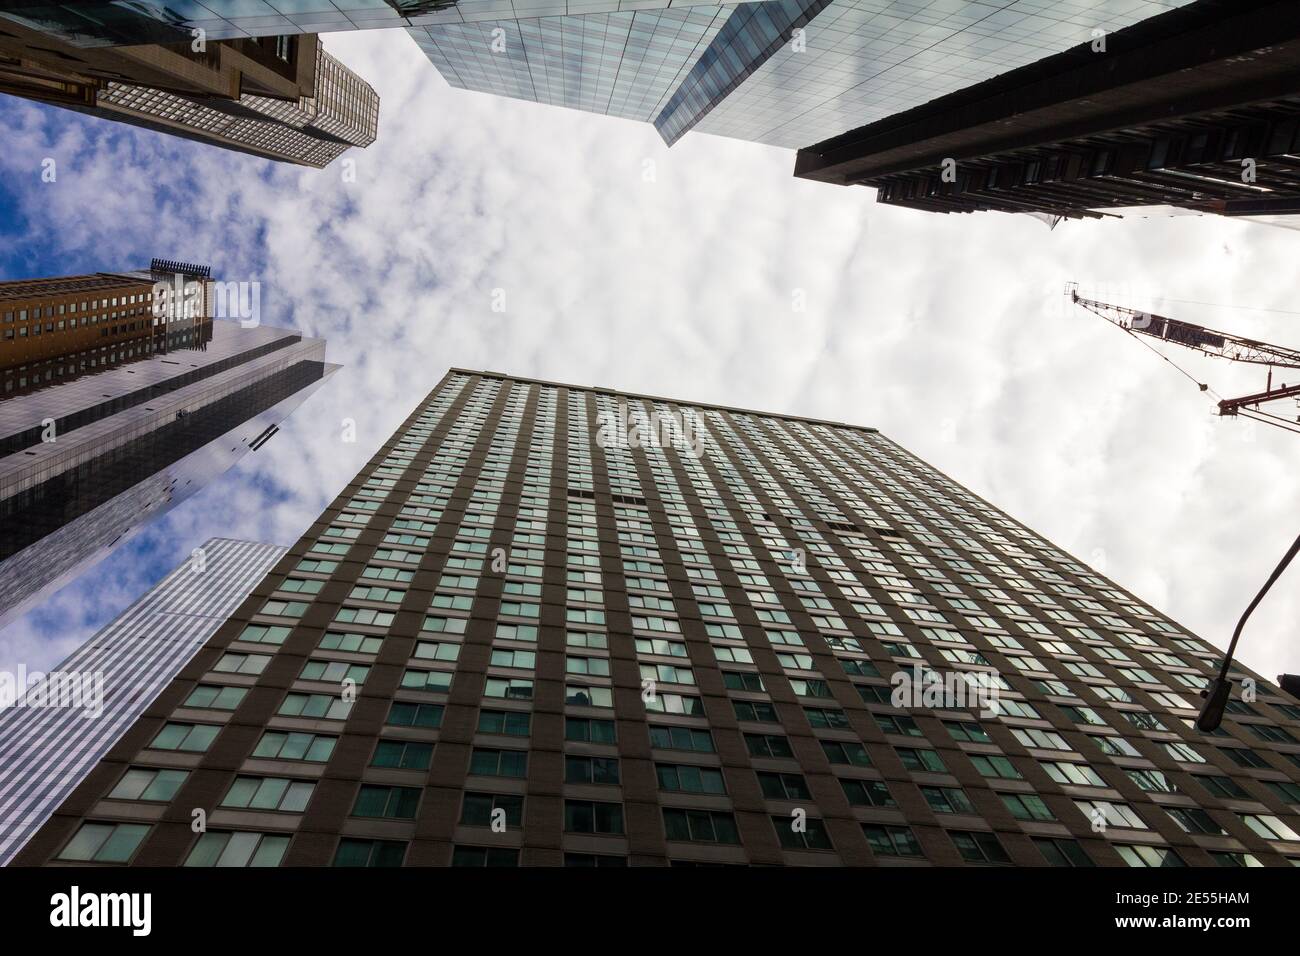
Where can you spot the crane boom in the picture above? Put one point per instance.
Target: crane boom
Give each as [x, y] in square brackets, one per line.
[1196, 337]
[1206, 341]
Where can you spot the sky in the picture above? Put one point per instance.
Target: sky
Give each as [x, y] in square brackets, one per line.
[680, 272]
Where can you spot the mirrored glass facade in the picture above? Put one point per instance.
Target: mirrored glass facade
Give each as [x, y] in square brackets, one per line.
[755, 78]
[782, 72]
[550, 625]
[120, 434]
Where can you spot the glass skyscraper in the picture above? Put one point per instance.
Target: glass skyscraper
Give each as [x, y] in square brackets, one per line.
[47, 746]
[740, 71]
[787, 73]
[551, 625]
[114, 412]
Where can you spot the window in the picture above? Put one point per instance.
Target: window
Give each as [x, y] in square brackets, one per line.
[508, 722]
[755, 710]
[768, 745]
[901, 726]
[586, 816]
[104, 842]
[402, 755]
[264, 634]
[977, 847]
[369, 853]
[968, 731]
[499, 763]
[732, 680]
[286, 608]
[319, 706]
[147, 783]
[1075, 773]
[484, 856]
[1286, 792]
[438, 682]
[921, 760]
[947, 800]
[1222, 786]
[508, 688]
[849, 753]
[269, 793]
[478, 809]
[783, 786]
[1152, 781]
[1113, 814]
[278, 745]
[599, 666]
[1195, 820]
[1268, 826]
[395, 803]
[821, 717]
[1185, 753]
[334, 672]
[891, 841]
[351, 642]
[438, 651]
[366, 615]
[589, 729]
[700, 826]
[684, 738]
[1148, 855]
[190, 738]
[994, 765]
[1027, 806]
[235, 663]
[406, 714]
[1043, 739]
[602, 770]
[683, 778]
[811, 836]
[215, 697]
[238, 848]
[867, 793]
[1059, 851]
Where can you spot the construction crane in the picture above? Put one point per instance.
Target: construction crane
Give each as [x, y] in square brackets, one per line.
[1224, 345]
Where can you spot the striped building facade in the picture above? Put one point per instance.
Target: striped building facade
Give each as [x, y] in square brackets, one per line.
[46, 751]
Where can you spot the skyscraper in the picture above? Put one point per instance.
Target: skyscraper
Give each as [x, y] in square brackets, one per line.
[782, 72]
[47, 745]
[279, 97]
[556, 625]
[133, 399]
[1197, 109]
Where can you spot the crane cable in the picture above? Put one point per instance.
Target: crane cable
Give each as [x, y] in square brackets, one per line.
[1201, 385]
[1219, 305]
[1257, 414]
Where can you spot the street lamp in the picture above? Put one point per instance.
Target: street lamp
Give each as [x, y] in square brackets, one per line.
[1217, 693]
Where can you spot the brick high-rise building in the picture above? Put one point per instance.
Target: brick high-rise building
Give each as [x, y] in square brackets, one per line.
[552, 625]
[54, 330]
